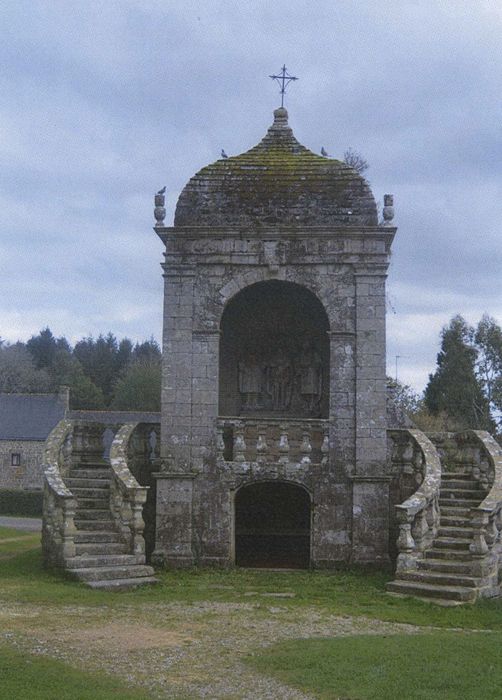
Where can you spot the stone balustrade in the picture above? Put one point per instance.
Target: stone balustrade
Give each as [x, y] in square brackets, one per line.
[486, 519]
[418, 516]
[58, 529]
[272, 440]
[127, 496]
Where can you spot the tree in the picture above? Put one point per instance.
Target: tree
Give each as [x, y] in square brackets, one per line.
[488, 339]
[18, 372]
[454, 389]
[356, 160]
[147, 351]
[99, 362]
[139, 388]
[67, 370]
[42, 348]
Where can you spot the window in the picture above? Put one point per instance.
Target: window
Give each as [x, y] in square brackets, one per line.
[15, 459]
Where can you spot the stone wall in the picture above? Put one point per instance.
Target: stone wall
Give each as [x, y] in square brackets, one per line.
[345, 269]
[29, 473]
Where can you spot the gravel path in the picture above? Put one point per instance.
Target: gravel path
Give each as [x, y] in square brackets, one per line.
[25, 524]
[179, 650]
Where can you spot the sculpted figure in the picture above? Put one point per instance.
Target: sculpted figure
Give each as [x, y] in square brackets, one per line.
[279, 381]
[250, 382]
[310, 377]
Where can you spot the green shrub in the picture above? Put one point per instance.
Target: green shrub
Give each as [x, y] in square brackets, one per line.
[23, 503]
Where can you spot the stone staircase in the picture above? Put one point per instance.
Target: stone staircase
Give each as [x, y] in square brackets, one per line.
[100, 557]
[445, 572]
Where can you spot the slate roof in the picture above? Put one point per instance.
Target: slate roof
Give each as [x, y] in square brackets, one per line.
[29, 416]
[279, 181]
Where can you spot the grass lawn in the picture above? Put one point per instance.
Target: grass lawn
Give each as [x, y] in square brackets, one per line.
[352, 592]
[26, 677]
[220, 623]
[436, 666]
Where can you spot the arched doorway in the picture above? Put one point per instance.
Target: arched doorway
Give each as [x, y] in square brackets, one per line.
[272, 526]
[274, 353]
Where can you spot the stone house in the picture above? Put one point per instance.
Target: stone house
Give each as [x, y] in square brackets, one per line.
[25, 422]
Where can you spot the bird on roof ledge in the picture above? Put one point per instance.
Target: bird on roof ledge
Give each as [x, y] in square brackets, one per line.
[324, 152]
[223, 154]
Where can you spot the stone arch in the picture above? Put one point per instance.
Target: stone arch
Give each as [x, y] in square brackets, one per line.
[274, 352]
[240, 281]
[272, 520]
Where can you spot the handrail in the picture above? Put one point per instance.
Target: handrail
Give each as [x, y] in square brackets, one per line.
[58, 526]
[419, 515]
[486, 518]
[127, 495]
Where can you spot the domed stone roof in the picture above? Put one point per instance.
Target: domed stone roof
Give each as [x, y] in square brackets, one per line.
[279, 181]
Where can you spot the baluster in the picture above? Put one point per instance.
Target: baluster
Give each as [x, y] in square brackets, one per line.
[220, 444]
[284, 445]
[420, 529]
[479, 522]
[239, 444]
[306, 446]
[405, 541]
[68, 528]
[137, 523]
[491, 530]
[261, 443]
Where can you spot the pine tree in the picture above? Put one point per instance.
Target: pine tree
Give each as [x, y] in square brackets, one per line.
[454, 390]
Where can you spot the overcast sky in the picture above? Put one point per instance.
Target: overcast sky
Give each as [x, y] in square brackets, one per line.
[102, 103]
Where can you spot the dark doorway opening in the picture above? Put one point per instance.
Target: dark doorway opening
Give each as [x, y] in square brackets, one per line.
[274, 353]
[272, 526]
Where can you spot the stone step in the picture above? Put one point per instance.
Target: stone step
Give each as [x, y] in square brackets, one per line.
[446, 565]
[461, 543]
[449, 554]
[81, 473]
[98, 560]
[456, 531]
[460, 502]
[455, 494]
[440, 578]
[101, 525]
[94, 492]
[472, 485]
[93, 503]
[456, 510]
[97, 514]
[122, 584]
[92, 483]
[96, 536]
[455, 520]
[109, 573]
[429, 590]
[100, 548]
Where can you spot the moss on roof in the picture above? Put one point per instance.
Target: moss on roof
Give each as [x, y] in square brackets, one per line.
[279, 181]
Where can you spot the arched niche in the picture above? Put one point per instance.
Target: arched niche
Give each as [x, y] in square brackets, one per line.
[272, 525]
[274, 353]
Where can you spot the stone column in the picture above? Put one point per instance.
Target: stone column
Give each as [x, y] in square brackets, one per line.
[174, 520]
[370, 503]
[173, 539]
[332, 490]
[176, 419]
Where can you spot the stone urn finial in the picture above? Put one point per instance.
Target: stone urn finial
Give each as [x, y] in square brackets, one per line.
[159, 212]
[388, 209]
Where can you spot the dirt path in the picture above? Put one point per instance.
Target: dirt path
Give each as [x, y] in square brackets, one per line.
[178, 650]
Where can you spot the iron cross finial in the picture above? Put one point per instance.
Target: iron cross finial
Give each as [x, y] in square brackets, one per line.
[283, 79]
